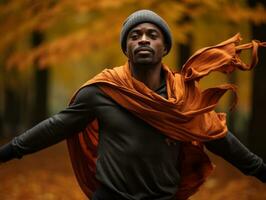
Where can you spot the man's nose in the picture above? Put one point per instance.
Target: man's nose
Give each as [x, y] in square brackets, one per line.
[144, 40]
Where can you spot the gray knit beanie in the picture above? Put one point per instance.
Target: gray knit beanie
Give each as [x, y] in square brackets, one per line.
[143, 16]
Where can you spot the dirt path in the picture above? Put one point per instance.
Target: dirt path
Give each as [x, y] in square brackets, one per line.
[47, 175]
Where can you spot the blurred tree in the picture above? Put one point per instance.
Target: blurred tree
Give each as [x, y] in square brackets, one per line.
[75, 29]
[257, 130]
[41, 84]
[10, 97]
[184, 48]
[12, 103]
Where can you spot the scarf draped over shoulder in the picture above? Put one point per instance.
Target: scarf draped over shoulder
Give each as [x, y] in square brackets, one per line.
[187, 114]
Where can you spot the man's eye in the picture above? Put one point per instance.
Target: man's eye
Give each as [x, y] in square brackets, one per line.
[134, 36]
[153, 35]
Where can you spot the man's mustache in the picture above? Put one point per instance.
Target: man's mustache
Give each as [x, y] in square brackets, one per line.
[143, 48]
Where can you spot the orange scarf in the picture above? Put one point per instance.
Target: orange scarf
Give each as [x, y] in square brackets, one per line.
[186, 115]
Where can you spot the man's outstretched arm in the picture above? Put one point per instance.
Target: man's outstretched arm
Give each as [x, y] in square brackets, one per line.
[233, 151]
[54, 129]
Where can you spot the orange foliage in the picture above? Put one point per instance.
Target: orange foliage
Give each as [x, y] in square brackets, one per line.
[34, 177]
[76, 28]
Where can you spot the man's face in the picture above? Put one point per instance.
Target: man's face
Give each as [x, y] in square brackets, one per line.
[145, 44]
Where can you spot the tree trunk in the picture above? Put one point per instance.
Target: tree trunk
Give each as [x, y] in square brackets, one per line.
[41, 79]
[232, 114]
[1, 98]
[12, 104]
[184, 49]
[10, 120]
[184, 52]
[257, 136]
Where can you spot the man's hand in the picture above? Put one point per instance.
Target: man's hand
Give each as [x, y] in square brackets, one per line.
[261, 174]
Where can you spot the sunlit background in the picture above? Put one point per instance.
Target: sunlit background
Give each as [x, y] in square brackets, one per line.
[48, 49]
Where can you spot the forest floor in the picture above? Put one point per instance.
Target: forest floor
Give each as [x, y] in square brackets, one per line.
[48, 175]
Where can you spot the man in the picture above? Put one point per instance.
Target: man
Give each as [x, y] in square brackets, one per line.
[137, 131]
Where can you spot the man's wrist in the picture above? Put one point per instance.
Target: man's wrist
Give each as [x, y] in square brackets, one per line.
[261, 174]
[6, 152]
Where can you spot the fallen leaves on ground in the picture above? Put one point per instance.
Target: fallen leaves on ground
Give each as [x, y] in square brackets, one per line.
[47, 175]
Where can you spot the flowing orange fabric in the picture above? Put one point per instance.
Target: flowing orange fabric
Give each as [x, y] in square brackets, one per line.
[186, 115]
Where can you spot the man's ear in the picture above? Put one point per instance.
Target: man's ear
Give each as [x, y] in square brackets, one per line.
[165, 51]
[126, 52]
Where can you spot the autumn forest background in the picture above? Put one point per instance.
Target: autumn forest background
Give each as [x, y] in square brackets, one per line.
[49, 48]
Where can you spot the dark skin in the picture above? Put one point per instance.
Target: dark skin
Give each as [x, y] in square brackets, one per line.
[145, 50]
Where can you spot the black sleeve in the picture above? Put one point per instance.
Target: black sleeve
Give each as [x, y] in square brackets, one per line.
[233, 151]
[54, 129]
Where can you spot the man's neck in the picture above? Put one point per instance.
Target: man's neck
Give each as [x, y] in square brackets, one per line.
[150, 75]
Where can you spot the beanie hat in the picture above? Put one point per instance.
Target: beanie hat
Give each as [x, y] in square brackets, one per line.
[143, 16]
